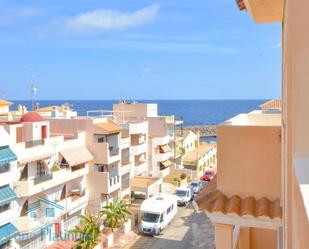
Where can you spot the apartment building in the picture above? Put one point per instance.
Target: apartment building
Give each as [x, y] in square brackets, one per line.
[159, 126]
[110, 144]
[8, 203]
[243, 202]
[295, 134]
[49, 180]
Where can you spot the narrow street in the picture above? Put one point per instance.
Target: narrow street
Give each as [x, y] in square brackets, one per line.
[189, 230]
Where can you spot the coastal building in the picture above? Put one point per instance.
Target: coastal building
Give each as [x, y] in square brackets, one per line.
[243, 202]
[200, 159]
[49, 180]
[162, 126]
[189, 142]
[4, 107]
[150, 141]
[274, 105]
[64, 111]
[111, 171]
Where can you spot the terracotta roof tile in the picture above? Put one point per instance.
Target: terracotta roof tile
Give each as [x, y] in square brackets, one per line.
[241, 5]
[5, 103]
[109, 127]
[213, 201]
[272, 104]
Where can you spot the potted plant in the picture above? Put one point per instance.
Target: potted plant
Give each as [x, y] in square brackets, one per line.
[88, 232]
[55, 167]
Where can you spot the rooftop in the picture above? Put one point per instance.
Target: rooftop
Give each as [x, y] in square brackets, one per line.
[272, 104]
[5, 103]
[198, 152]
[255, 119]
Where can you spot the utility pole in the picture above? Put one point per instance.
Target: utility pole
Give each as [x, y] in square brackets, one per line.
[33, 94]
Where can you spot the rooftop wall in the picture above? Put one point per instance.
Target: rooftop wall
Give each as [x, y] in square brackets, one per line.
[249, 160]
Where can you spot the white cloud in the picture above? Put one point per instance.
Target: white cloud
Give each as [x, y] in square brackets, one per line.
[103, 19]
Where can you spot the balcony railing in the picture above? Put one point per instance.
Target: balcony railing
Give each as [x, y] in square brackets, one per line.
[113, 180]
[113, 151]
[42, 177]
[30, 144]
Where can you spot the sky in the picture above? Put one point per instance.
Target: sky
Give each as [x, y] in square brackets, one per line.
[129, 49]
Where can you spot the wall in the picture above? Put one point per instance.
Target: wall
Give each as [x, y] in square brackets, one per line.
[295, 118]
[263, 238]
[248, 156]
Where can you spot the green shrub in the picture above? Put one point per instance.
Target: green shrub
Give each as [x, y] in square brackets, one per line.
[183, 176]
[55, 167]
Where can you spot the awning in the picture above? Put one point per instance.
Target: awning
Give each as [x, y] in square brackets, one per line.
[143, 183]
[166, 163]
[7, 155]
[109, 127]
[51, 203]
[165, 148]
[7, 232]
[77, 155]
[7, 195]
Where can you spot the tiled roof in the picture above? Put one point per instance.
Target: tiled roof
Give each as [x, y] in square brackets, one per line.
[109, 127]
[241, 4]
[201, 150]
[5, 103]
[272, 104]
[212, 200]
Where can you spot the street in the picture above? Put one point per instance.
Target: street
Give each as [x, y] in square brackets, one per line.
[189, 230]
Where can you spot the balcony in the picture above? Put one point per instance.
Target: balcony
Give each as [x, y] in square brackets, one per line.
[164, 172]
[34, 143]
[7, 176]
[125, 167]
[138, 128]
[125, 192]
[160, 140]
[103, 153]
[104, 182]
[34, 186]
[30, 227]
[140, 169]
[125, 142]
[7, 215]
[42, 178]
[161, 157]
[138, 149]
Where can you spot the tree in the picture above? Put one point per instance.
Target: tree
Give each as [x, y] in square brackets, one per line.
[88, 232]
[115, 214]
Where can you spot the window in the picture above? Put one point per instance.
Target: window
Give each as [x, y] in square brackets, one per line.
[169, 209]
[33, 215]
[161, 220]
[50, 212]
[4, 207]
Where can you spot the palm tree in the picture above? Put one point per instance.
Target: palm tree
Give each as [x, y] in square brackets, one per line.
[88, 232]
[115, 214]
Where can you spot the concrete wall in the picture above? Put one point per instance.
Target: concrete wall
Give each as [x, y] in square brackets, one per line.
[248, 156]
[295, 118]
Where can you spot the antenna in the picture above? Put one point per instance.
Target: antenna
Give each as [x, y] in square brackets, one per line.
[33, 93]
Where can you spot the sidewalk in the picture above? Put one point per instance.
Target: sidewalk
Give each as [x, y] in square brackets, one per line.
[124, 240]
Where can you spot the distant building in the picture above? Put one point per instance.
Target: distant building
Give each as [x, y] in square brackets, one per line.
[5, 107]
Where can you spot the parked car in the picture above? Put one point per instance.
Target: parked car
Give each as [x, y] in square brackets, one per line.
[184, 195]
[196, 186]
[209, 175]
[157, 212]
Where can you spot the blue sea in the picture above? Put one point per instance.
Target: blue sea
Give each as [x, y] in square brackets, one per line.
[193, 112]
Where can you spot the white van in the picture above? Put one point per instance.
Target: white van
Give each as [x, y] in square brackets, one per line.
[184, 195]
[157, 212]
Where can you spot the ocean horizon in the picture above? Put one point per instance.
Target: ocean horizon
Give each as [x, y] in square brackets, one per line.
[192, 112]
